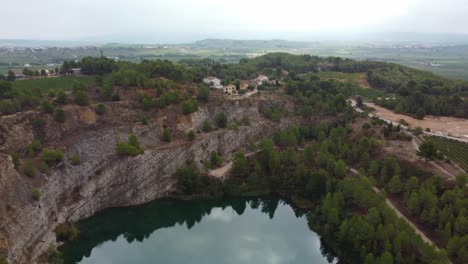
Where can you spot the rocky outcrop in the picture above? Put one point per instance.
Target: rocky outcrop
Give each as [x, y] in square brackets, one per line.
[104, 180]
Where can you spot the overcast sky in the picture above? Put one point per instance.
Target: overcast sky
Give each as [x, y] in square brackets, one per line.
[188, 20]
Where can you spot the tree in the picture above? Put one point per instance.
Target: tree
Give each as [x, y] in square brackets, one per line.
[11, 76]
[82, 98]
[395, 186]
[62, 98]
[131, 147]
[5, 88]
[428, 150]
[461, 180]
[340, 169]
[203, 94]
[191, 135]
[221, 120]
[317, 185]
[47, 107]
[240, 166]
[359, 102]
[420, 113]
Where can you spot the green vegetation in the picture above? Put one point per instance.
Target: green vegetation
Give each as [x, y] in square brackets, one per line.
[29, 169]
[59, 115]
[214, 162]
[100, 109]
[75, 159]
[46, 85]
[36, 194]
[189, 106]
[221, 120]
[429, 151]
[66, 232]
[166, 135]
[51, 156]
[206, 126]
[3, 261]
[455, 150]
[191, 135]
[131, 147]
[350, 217]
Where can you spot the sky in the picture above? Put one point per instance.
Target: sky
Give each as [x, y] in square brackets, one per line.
[189, 20]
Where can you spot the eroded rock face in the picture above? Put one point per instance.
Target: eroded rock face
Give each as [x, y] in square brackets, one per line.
[104, 180]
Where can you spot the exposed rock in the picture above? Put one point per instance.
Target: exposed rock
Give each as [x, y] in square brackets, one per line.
[103, 179]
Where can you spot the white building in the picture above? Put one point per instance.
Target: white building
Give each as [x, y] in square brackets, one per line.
[212, 81]
[261, 79]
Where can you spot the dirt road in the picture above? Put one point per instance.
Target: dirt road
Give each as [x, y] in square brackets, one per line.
[399, 214]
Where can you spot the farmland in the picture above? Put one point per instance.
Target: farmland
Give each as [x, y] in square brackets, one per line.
[453, 149]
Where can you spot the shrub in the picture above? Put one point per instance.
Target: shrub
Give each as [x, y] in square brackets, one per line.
[62, 98]
[33, 148]
[43, 167]
[418, 131]
[66, 232]
[82, 98]
[100, 109]
[47, 107]
[130, 148]
[59, 115]
[166, 136]
[246, 120]
[29, 169]
[366, 126]
[203, 94]
[54, 256]
[221, 120]
[143, 120]
[206, 127]
[191, 135]
[75, 159]
[51, 156]
[36, 194]
[215, 160]
[3, 261]
[16, 160]
[38, 122]
[189, 107]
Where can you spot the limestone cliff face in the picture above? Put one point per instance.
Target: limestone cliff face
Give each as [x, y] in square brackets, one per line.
[103, 179]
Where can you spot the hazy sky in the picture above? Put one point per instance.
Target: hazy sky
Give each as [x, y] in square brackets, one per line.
[187, 20]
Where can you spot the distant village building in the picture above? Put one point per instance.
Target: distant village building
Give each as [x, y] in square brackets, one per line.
[74, 71]
[261, 79]
[244, 84]
[230, 89]
[213, 82]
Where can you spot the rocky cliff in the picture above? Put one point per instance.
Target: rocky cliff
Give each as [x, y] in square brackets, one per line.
[103, 179]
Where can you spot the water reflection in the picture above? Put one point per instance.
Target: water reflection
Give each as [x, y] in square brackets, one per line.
[168, 231]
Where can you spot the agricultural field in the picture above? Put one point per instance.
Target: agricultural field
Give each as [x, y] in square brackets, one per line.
[456, 151]
[446, 60]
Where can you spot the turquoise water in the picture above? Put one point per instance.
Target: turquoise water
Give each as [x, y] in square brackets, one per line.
[236, 231]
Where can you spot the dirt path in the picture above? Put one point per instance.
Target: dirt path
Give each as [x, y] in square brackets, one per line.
[223, 170]
[399, 214]
[439, 125]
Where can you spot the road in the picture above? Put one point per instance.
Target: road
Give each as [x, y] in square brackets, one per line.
[359, 110]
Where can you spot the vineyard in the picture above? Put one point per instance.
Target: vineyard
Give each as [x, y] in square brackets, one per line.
[456, 151]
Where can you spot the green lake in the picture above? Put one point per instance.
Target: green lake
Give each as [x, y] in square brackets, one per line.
[253, 231]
